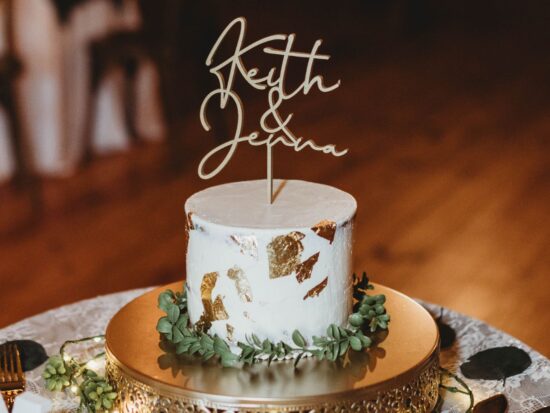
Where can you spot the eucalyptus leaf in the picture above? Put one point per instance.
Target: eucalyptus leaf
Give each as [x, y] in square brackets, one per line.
[370, 300]
[189, 339]
[229, 359]
[165, 299]
[266, 346]
[344, 345]
[335, 347]
[164, 325]
[298, 339]
[182, 321]
[247, 351]
[207, 341]
[355, 343]
[335, 331]
[220, 346]
[182, 348]
[194, 347]
[356, 320]
[256, 340]
[177, 336]
[173, 313]
[365, 341]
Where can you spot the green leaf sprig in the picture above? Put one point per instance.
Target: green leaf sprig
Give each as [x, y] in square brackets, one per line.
[63, 371]
[369, 316]
[57, 375]
[96, 394]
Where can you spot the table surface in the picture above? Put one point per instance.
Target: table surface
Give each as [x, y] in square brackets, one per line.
[526, 392]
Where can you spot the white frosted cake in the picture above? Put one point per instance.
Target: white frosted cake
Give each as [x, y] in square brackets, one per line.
[268, 269]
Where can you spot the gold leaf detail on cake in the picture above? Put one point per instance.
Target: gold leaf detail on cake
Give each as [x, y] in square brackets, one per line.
[188, 228]
[190, 225]
[315, 291]
[325, 229]
[241, 283]
[247, 244]
[304, 269]
[203, 324]
[219, 309]
[207, 285]
[212, 311]
[284, 253]
[230, 331]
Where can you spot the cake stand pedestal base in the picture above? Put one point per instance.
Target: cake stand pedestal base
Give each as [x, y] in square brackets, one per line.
[399, 374]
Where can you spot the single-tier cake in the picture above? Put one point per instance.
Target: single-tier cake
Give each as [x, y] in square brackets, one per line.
[269, 269]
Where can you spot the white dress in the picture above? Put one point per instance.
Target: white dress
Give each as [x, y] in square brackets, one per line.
[55, 84]
[37, 38]
[7, 164]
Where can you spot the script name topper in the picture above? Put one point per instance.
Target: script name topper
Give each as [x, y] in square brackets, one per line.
[274, 125]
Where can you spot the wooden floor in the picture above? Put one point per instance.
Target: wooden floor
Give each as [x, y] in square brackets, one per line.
[451, 170]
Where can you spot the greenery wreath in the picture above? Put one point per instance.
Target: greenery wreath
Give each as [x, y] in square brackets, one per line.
[85, 380]
[369, 316]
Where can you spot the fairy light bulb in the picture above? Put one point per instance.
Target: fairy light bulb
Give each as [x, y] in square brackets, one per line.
[92, 364]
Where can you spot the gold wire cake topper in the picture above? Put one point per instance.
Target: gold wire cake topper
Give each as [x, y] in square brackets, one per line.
[272, 123]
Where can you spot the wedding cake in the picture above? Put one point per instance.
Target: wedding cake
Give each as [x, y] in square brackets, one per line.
[269, 269]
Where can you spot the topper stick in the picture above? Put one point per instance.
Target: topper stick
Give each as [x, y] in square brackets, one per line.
[269, 176]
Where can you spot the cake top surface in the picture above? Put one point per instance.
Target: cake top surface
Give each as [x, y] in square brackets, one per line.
[297, 204]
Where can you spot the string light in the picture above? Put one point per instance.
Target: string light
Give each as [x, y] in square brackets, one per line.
[76, 370]
[93, 364]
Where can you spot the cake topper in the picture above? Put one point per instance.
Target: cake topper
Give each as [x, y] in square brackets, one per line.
[275, 126]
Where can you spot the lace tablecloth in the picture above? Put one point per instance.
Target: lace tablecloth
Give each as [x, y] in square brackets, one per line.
[526, 392]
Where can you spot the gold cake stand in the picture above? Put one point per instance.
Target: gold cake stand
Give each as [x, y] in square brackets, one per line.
[400, 374]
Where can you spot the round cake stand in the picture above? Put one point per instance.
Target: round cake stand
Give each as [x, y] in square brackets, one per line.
[400, 373]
